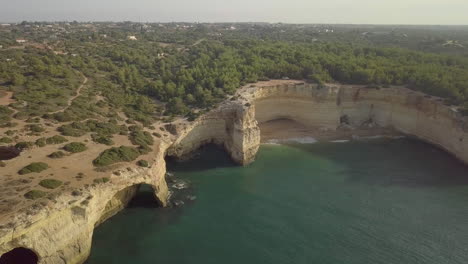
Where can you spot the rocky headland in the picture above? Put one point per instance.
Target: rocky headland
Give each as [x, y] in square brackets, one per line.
[62, 232]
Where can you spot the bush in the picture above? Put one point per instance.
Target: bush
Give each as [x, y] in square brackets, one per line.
[142, 163]
[34, 194]
[56, 140]
[75, 147]
[34, 167]
[141, 138]
[2, 164]
[50, 183]
[114, 155]
[103, 139]
[5, 140]
[56, 155]
[101, 180]
[41, 142]
[36, 128]
[24, 145]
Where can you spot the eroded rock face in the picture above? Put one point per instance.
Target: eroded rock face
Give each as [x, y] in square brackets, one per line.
[63, 234]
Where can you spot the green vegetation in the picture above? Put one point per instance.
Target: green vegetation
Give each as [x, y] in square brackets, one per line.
[34, 167]
[103, 139]
[36, 128]
[35, 194]
[75, 147]
[2, 164]
[56, 155]
[41, 142]
[101, 180]
[141, 138]
[142, 163]
[6, 140]
[143, 81]
[50, 183]
[24, 145]
[56, 140]
[116, 154]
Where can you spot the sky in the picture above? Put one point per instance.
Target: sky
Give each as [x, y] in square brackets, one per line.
[433, 12]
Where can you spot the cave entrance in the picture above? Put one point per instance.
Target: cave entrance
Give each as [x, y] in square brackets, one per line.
[144, 197]
[19, 255]
[138, 195]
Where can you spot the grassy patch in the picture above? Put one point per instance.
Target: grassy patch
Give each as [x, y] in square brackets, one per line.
[114, 155]
[24, 145]
[34, 167]
[75, 147]
[41, 142]
[56, 140]
[50, 183]
[103, 139]
[141, 138]
[6, 140]
[56, 155]
[142, 163]
[35, 194]
[101, 180]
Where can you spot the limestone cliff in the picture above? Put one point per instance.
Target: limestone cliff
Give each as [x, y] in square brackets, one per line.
[63, 233]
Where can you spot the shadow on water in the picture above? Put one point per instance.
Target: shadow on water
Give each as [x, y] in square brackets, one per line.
[144, 198]
[207, 157]
[367, 163]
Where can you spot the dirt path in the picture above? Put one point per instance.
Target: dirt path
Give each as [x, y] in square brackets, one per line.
[7, 99]
[198, 41]
[78, 93]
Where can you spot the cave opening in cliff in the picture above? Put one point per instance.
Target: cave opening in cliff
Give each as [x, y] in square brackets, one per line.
[144, 197]
[208, 156]
[19, 255]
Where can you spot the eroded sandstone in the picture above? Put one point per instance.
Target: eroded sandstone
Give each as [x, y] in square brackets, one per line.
[63, 232]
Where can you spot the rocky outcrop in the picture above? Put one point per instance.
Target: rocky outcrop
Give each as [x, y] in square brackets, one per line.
[63, 233]
[231, 125]
[234, 123]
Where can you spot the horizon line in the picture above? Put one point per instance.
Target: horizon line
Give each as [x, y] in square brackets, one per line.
[222, 22]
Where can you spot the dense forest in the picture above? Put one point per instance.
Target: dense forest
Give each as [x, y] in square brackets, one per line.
[171, 71]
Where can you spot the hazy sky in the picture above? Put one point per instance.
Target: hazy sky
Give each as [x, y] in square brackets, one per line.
[290, 11]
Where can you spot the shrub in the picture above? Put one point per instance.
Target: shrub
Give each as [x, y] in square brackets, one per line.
[24, 145]
[34, 167]
[101, 180]
[2, 164]
[141, 138]
[36, 128]
[142, 163]
[56, 140]
[41, 142]
[75, 147]
[114, 155]
[103, 139]
[56, 155]
[50, 183]
[5, 140]
[34, 194]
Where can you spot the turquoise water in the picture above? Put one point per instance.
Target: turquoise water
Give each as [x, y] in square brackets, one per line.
[381, 201]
